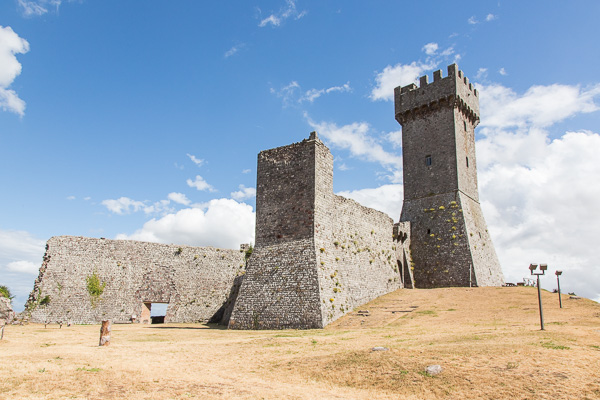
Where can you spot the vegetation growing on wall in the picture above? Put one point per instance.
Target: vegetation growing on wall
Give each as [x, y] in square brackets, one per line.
[95, 287]
[5, 292]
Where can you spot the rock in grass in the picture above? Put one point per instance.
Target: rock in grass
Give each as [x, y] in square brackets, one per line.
[433, 370]
[379, 348]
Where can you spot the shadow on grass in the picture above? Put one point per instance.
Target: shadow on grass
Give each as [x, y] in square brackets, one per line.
[202, 326]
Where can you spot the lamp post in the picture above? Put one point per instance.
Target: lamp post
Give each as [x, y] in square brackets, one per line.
[543, 268]
[558, 274]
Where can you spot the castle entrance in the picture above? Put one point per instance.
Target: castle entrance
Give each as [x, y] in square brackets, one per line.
[153, 313]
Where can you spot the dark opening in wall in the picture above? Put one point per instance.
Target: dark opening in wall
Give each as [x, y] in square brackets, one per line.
[428, 160]
[154, 313]
[429, 231]
[467, 162]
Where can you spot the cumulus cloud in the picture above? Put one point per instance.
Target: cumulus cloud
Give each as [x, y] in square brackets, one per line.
[179, 198]
[472, 20]
[539, 106]
[20, 258]
[125, 205]
[357, 139]
[10, 45]
[430, 48]
[502, 72]
[198, 161]
[27, 267]
[287, 11]
[243, 193]
[385, 198]
[398, 75]
[537, 191]
[223, 223]
[490, 17]
[200, 184]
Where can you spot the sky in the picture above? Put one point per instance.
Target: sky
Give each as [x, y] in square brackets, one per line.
[143, 119]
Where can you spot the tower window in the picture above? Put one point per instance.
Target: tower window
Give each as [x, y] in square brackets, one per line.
[428, 160]
[467, 162]
[465, 122]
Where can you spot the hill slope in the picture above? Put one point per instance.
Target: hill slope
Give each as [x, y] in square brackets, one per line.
[487, 340]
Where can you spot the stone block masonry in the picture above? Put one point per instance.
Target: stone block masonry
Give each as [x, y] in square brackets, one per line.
[317, 255]
[449, 241]
[195, 282]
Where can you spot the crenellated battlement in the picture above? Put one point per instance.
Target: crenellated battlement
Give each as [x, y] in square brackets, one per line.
[455, 90]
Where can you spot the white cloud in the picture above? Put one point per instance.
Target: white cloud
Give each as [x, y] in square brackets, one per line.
[26, 267]
[289, 95]
[200, 184]
[234, 50]
[71, 197]
[398, 75]
[472, 20]
[123, 205]
[395, 138]
[481, 73]
[179, 198]
[539, 194]
[540, 106]
[430, 48]
[356, 139]
[490, 17]
[222, 223]
[10, 45]
[20, 258]
[502, 72]
[386, 198]
[243, 193]
[198, 161]
[313, 94]
[246, 171]
[288, 11]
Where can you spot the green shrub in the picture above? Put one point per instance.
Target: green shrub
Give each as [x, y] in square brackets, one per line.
[249, 252]
[95, 287]
[5, 292]
[45, 301]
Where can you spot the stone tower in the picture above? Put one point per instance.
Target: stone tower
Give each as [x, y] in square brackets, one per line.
[317, 255]
[450, 243]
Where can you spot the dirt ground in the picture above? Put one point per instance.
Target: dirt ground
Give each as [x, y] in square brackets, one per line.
[487, 340]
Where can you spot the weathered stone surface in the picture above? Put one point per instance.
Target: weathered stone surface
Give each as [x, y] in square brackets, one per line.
[6, 312]
[448, 242]
[434, 370]
[195, 281]
[317, 255]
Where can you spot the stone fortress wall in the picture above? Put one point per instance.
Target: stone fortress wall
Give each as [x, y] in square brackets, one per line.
[317, 255]
[450, 243]
[196, 282]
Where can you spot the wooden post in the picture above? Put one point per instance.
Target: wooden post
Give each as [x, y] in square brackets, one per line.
[105, 333]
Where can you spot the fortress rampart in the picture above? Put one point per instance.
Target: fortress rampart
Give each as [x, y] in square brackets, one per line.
[194, 281]
[317, 255]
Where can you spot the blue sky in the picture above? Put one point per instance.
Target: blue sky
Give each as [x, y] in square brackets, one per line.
[142, 120]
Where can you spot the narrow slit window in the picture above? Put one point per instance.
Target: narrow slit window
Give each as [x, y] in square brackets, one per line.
[465, 122]
[428, 160]
[467, 162]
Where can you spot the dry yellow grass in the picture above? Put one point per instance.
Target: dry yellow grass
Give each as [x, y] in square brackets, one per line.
[487, 340]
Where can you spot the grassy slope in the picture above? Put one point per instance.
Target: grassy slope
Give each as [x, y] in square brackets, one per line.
[487, 340]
